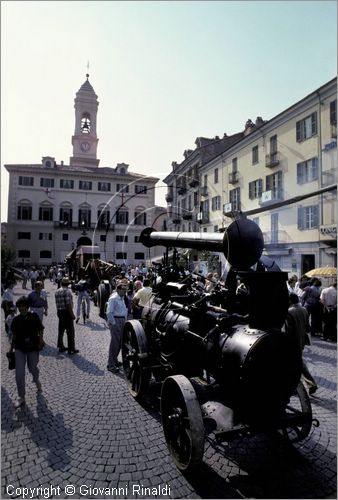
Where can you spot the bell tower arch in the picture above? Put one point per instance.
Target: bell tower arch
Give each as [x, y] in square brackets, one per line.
[85, 139]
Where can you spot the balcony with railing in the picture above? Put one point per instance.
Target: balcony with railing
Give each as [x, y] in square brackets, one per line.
[204, 191]
[187, 214]
[272, 159]
[193, 181]
[203, 217]
[233, 177]
[271, 196]
[276, 237]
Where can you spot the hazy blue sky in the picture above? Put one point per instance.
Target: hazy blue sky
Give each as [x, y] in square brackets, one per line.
[165, 73]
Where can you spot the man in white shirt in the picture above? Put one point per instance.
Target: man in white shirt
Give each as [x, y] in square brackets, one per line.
[143, 295]
[328, 298]
[117, 313]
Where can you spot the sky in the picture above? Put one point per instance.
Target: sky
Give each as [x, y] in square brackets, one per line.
[165, 73]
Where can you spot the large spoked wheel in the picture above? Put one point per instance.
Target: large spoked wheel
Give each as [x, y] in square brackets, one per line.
[299, 405]
[182, 422]
[134, 353]
[103, 292]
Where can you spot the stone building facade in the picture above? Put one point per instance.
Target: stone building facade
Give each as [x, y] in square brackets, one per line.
[268, 173]
[53, 207]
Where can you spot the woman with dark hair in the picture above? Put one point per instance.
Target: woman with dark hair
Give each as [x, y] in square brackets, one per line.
[26, 327]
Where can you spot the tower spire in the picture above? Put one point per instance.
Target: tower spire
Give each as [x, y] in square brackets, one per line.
[87, 74]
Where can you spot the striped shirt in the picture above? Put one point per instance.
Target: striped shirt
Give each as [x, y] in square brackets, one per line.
[63, 297]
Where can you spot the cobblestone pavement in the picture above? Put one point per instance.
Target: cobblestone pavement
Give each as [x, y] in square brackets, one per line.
[86, 430]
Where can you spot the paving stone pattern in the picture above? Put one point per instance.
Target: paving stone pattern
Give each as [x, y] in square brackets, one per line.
[86, 430]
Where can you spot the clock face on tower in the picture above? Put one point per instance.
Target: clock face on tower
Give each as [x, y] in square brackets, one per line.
[85, 146]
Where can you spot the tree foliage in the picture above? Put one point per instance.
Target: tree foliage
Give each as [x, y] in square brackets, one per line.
[8, 256]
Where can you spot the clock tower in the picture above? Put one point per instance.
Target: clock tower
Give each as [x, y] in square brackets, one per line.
[85, 140]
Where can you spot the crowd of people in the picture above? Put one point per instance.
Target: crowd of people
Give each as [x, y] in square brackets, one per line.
[312, 311]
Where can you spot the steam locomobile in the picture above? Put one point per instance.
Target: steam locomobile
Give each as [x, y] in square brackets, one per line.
[226, 363]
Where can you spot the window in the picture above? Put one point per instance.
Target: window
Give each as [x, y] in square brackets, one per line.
[85, 185]
[66, 184]
[66, 217]
[65, 236]
[121, 255]
[24, 236]
[103, 186]
[195, 198]
[255, 189]
[189, 203]
[234, 199]
[140, 189]
[122, 217]
[103, 237]
[139, 256]
[205, 181]
[140, 218]
[306, 128]
[234, 164]
[85, 123]
[85, 218]
[45, 236]
[273, 144]
[123, 188]
[274, 184]
[24, 212]
[46, 213]
[333, 118]
[136, 239]
[45, 254]
[46, 182]
[121, 238]
[308, 217]
[274, 228]
[215, 229]
[24, 253]
[216, 175]
[216, 203]
[254, 155]
[307, 171]
[103, 218]
[26, 181]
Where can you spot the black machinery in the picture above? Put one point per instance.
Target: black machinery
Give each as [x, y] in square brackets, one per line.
[226, 364]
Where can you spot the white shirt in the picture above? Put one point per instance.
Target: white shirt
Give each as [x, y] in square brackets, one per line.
[116, 307]
[328, 296]
[144, 295]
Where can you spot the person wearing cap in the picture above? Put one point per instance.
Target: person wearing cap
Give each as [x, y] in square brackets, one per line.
[64, 306]
[37, 300]
[25, 341]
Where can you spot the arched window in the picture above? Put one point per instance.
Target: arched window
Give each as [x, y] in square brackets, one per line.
[103, 216]
[85, 123]
[85, 216]
[66, 214]
[46, 211]
[140, 216]
[24, 210]
[122, 216]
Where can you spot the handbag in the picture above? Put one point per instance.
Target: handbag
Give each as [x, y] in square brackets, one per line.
[11, 360]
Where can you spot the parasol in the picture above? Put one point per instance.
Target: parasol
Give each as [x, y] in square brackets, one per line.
[322, 272]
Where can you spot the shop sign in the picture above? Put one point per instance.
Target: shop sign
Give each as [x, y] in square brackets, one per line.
[330, 145]
[329, 231]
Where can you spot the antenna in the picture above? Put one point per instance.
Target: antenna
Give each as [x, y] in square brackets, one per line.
[87, 74]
